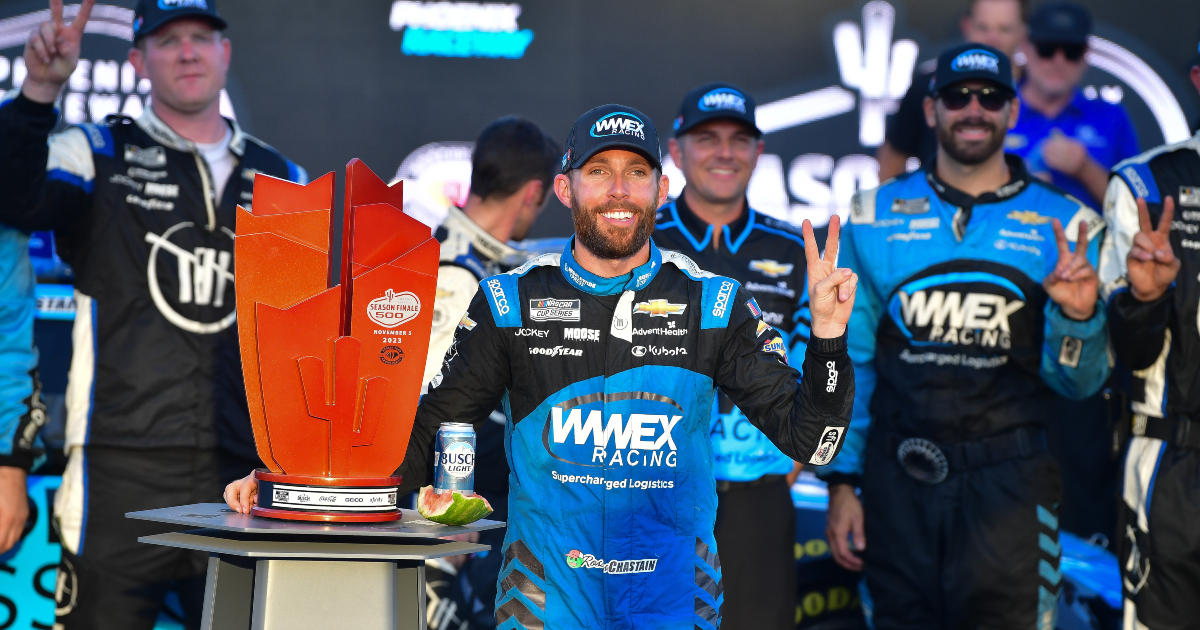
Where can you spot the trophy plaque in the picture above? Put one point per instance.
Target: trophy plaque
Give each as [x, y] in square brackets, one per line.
[333, 373]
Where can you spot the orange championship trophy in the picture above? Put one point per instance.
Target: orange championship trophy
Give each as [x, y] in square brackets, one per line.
[333, 373]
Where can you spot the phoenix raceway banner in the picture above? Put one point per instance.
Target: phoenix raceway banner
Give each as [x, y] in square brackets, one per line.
[406, 85]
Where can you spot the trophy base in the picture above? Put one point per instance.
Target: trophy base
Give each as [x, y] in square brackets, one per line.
[327, 499]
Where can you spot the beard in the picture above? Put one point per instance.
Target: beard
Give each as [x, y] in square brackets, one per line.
[970, 153]
[608, 242]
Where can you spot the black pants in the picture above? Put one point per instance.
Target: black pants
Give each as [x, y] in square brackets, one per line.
[1159, 541]
[756, 534]
[978, 551]
[112, 581]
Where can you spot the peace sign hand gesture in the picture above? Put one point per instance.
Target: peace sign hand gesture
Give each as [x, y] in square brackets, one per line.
[1074, 284]
[52, 52]
[1151, 263]
[830, 290]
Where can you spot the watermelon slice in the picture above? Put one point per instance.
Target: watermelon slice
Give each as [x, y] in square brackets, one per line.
[452, 508]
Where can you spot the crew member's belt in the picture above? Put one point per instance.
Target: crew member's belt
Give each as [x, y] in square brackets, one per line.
[931, 463]
[1179, 431]
[729, 486]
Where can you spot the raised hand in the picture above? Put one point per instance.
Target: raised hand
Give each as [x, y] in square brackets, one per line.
[830, 290]
[1073, 284]
[52, 52]
[1151, 263]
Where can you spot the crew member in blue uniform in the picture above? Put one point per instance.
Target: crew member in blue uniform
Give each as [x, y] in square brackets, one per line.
[717, 145]
[1066, 136]
[976, 307]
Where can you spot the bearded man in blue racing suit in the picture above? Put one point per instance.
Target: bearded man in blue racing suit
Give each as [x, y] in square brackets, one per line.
[969, 319]
[612, 498]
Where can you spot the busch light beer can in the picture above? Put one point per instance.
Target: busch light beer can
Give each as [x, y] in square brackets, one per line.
[454, 458]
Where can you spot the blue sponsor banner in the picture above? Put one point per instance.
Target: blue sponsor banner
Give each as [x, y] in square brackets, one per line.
[28, 571]
[55, 302]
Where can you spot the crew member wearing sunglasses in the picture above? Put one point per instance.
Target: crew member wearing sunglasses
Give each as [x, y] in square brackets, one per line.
[957, 525]
[1068, 137]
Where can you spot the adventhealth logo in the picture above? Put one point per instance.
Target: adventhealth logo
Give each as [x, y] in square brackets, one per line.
[619, 124]
[723, 99]
[976, 60]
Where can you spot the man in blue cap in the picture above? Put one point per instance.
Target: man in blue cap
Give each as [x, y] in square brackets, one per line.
[717, 145]
[1069, 138]
[1150, 275]
[146, 210]
[977, 307]
[612, 498]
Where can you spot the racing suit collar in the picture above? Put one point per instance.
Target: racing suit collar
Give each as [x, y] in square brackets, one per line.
[485, 244]
[589, 282]
[164, 135]
[1018, 180]
[691, 225]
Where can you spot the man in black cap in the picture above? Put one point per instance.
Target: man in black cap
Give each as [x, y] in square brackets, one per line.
[717, 145]
[612, 499]
[145, 212]
[1069, 138]
[978, 310]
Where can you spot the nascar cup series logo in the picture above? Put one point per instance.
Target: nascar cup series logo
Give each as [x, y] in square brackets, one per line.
[723, 99]
[393, 309]
[619, 124]
[976, 309]
[976, 59]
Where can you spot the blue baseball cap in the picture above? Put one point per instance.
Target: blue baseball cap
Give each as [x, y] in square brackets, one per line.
[151, 14]
[611, 127]
[972, 62]
[712, 101]
[1060, 23]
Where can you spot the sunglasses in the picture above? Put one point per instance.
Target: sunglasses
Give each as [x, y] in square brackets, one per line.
[1073, 52]
[990, 98]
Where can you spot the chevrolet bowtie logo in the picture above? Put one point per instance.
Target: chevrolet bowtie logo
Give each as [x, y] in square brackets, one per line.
[771, 268]
[659, 308]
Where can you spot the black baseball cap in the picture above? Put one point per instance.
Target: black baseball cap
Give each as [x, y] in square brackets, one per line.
[1060, 23]
[972, 62]
[715, 100]
[151, 14]
[611, 127]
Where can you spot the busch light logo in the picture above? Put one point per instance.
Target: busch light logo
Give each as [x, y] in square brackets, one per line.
[619, 124]
[723, 99]
[458, 460]
[976, 59]
[167, 5]
[958, 309]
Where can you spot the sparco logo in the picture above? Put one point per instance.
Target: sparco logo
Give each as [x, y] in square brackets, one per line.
[619, 124]
[498, 296]
[831, 384]
[557, 351]
[954, 318]
[722, 299]
[203, 275]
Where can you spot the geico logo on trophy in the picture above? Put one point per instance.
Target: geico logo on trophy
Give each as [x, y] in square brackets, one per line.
[393, 309]
[723, 99]
[619, 123]
[659, 308]
[549, 309]
[498, 296]
[636, 440]
[952, 318]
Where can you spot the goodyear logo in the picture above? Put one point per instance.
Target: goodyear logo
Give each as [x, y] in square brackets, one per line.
[619, 124]
[723, 99]
[976, 59]
[771, 268]
[1028, 217]
[659, 308]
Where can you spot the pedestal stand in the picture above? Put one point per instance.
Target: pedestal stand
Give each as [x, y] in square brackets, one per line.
[266, 574]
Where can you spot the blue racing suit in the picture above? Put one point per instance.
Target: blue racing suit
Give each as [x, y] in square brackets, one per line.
[22, 411]
[612, 498]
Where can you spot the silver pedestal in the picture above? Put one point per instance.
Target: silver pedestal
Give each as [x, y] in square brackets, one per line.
[267, 574]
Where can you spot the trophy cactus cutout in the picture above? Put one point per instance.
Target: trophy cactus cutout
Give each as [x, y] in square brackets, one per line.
[333, 373]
